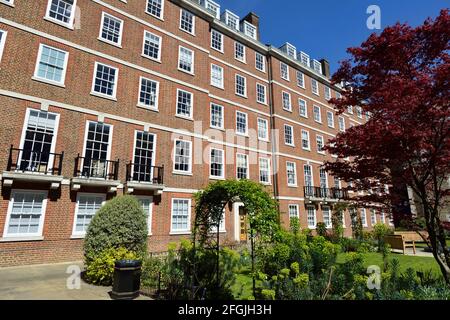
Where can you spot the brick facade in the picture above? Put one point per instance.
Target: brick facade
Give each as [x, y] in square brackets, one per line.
[27, 29]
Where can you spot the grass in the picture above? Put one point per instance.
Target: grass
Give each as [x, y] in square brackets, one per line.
[415, 262]
[242, 289]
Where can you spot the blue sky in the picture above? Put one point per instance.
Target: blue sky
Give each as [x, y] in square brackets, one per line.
[325, 28]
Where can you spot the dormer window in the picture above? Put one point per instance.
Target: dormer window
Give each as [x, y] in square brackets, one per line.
[231, 20]
[249, 29]
[303, 58]
[212, 7]
[317, 66]
[289, 49]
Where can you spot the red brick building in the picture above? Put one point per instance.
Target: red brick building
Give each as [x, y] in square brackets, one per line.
[154, 98]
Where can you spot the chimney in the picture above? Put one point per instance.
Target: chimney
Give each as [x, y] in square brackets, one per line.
[253, 19]
[325, 68]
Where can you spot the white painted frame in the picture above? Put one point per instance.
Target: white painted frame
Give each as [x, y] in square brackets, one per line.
[188, 230]
[81, 234]
[221, 177]
[150, 217]
[158, 59]
[189, 172]
[139, 103]
[86, 130]
[192, 72]
[38, 60]
[193, 22]
[116, 81]
[161, 17]
[268, 171]
[210, 116]
[119, 43]
[41, 218]
[295, 174]
[69, 25]
[154, 149]
[191, 115]
[246, 161]
[3, 42]
[246, 124]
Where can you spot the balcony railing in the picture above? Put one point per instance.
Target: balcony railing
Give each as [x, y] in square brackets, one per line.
[328, 193]
[144, 173]
[96, 168]
[24, 160]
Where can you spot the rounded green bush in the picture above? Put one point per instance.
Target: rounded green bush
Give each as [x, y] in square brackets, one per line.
[120, 223]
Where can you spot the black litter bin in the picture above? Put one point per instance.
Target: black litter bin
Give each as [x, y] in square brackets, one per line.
[127, 279]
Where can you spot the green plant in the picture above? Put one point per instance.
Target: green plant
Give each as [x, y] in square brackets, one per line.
[121, 222]
[321, 229]
[100, 270]
[380, 230]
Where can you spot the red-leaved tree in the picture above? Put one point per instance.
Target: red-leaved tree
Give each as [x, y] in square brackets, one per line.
[401, 77]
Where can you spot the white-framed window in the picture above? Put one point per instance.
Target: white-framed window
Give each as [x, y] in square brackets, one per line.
[359, 113]
[2, 42]
[304, 58]
[264, 170]
[187, 21]
[151, 46]
[105, 80]
[330, 119]
[364, 217]
[291, 173]
[320, 144]
[341, 122]
[148, 93]
[216, 40]
[350, 109]
[25, 215]
[62, 12]
[293, 211]
[86, 207]
[327, 92]
[143, 156]
[261, 93]
[260, 62]
[241, 86]
[51, 65]
[326, 211]
[231, 20]
[288, 135]
[315, 87]
[8, 2]
[217, 76]
[186, 60]
[239, 51]
[337, 183]
[323, 178]
[317, 114]
[185, 103]
[213, 7]
[111, 29]
[180, 216]
[216, 116]
[311, 217]
[263, 129]
[242, 170]
[287, 105]
[284, 71]
[382, 217]
[373, 217]
[302, 108]
[182, 156]
[317, 66]
[307, 170]
[305, 140]
[147, 205]
[249, 30]
[155, 8]
[241, 123]
[216, 167]
[301, 79]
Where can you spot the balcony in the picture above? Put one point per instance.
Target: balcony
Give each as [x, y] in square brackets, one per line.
[95, 173]
[319, 194]
[145, 178]
[33, 166]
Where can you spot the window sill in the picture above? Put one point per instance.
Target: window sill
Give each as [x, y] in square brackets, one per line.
[242, 134]
[99, 95]
[241, 95]
[292, 186]
[61, 85]
[62, 24]
[151, 58]
[306, 149]
[285, 79]
[241, 61]
[180, 233]
[189, 33]
[118, 45]
[7, 3]
[303, 87]
[288, 110]
[77, 236]
[218, 87]
[216, 178]
[217, 128]
[154, 16]
[266, 183]
[261, 102]
[316, 94]
[178, 173]
[290, 145]
[264, 140]
[184, 117]
[187, 72]
[221, 51]
[21, 239]
[147, 108]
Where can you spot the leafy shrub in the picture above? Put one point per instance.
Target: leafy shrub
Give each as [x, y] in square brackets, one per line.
[151, 271]
[380, 230]
[100, 271]
[121, 222]
[321, 229]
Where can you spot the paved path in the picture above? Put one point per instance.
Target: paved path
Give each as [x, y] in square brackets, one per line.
[47, 282]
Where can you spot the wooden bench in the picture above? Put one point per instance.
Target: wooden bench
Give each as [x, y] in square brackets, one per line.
[401, 240]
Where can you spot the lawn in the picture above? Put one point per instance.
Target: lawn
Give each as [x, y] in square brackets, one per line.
[242, 289]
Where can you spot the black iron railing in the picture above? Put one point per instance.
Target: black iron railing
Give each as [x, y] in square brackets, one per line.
[145, 173]
[96, 168]
[330, 193]
[23, 160]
